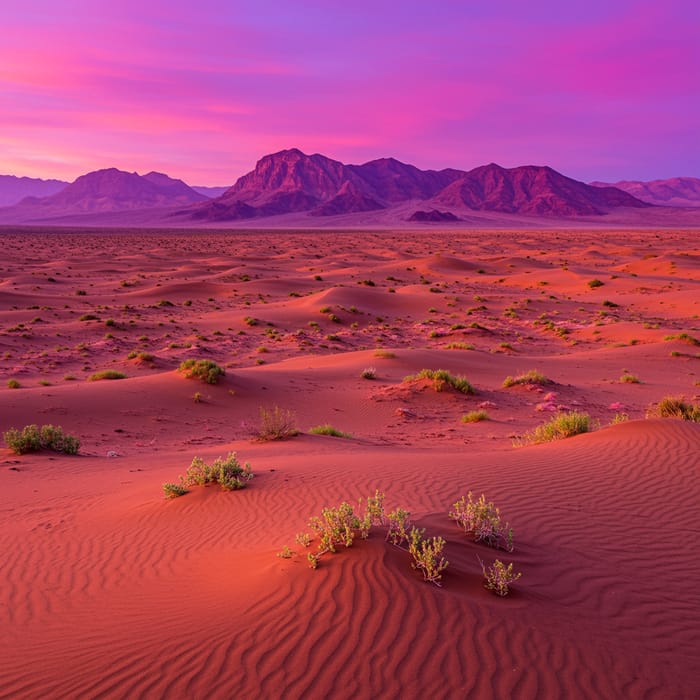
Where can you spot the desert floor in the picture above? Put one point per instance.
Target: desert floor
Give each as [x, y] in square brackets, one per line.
[110, 590]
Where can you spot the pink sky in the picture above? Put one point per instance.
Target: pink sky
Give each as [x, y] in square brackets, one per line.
[598, 89]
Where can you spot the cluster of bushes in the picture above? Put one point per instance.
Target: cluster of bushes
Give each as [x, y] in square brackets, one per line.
[338, 527]
[675, 407]
[206, 370]
[228, 473]
[442, 379]
[32, 438]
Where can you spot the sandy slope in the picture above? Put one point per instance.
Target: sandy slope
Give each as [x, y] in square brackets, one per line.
[110, 591]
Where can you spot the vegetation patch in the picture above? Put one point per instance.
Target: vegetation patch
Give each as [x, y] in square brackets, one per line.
[531, 377]
[32, 439]
[276, 424]
[675, 407]
[482, 520]
[206, 370]
[475, 416]
[498, 577]
[328, 429]
[106, 374]
[562, 426]
[443, 379]
[228, 473]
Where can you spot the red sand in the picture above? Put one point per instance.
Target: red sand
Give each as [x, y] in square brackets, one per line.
[108, 590]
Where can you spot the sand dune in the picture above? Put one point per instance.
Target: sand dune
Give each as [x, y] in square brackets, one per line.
[109, 590]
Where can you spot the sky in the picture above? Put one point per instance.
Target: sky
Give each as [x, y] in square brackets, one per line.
[599, 89]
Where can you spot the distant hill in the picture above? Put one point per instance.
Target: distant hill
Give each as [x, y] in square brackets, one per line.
[674, 192]
[14, 189]
[102, 191]
[291, 181]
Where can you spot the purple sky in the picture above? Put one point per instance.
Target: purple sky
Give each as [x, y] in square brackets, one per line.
[597, 89]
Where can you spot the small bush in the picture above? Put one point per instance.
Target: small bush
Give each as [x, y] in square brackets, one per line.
[399, 526]
[482, 520]
[106, 374]
[13, 384]
[459, 346]
[675, 407]
[475, 417]
[561, 426]
[286, 553]
[206, 370]
[385, 354]
[684, 337]
[498, 577]
[595, 283]
[89, 317]
[32, 439]
[228, 473]
[629, 378]
[532, 376]
[441, 378]
[276, 424]
[369, 373]
[174, 490]
[328, 429]
[427, 555]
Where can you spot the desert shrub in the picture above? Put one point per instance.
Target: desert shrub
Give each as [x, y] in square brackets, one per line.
[685, 337]
[675, 407]
[427, 555]
[13, 384]
[459, 346]
[482, 520]
[89, 317]
[595, 283]
[619, 418]
[228, 473]
[286, 553]
[441, 378]
[498, 577]
[475, 416]
[369, 373]
[328, 429]
[385, 354]
[628, 378]
[399, 526]
[206, 370]
[32, 439]
[338, 527]
[532, 376]
[140, 355]
[106, 374]
[174, 490]
[276, 424]
[562, 426]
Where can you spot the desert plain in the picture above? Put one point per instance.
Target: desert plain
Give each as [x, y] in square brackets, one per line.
[111, 590]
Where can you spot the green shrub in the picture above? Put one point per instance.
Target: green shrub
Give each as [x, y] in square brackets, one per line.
[385, 354]
[562, 426]
[627, 378]
[595, 283]
[498, 577]
[441, 378]
[483, 521]
[106, 374]
[32, 439]
[532, 376]
[328, 429]
[369, 373]
[276, 424]
[13, 384]
[459, 346]
[675, 407]
[206, 370]
[427, 555]
[228, 473]
[174, 490]
[475, 417]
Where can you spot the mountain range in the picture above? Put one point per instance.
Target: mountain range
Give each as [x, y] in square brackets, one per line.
[315, 188]
[674, 192]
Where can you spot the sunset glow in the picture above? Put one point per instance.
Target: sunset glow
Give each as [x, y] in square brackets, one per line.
[202, 91]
